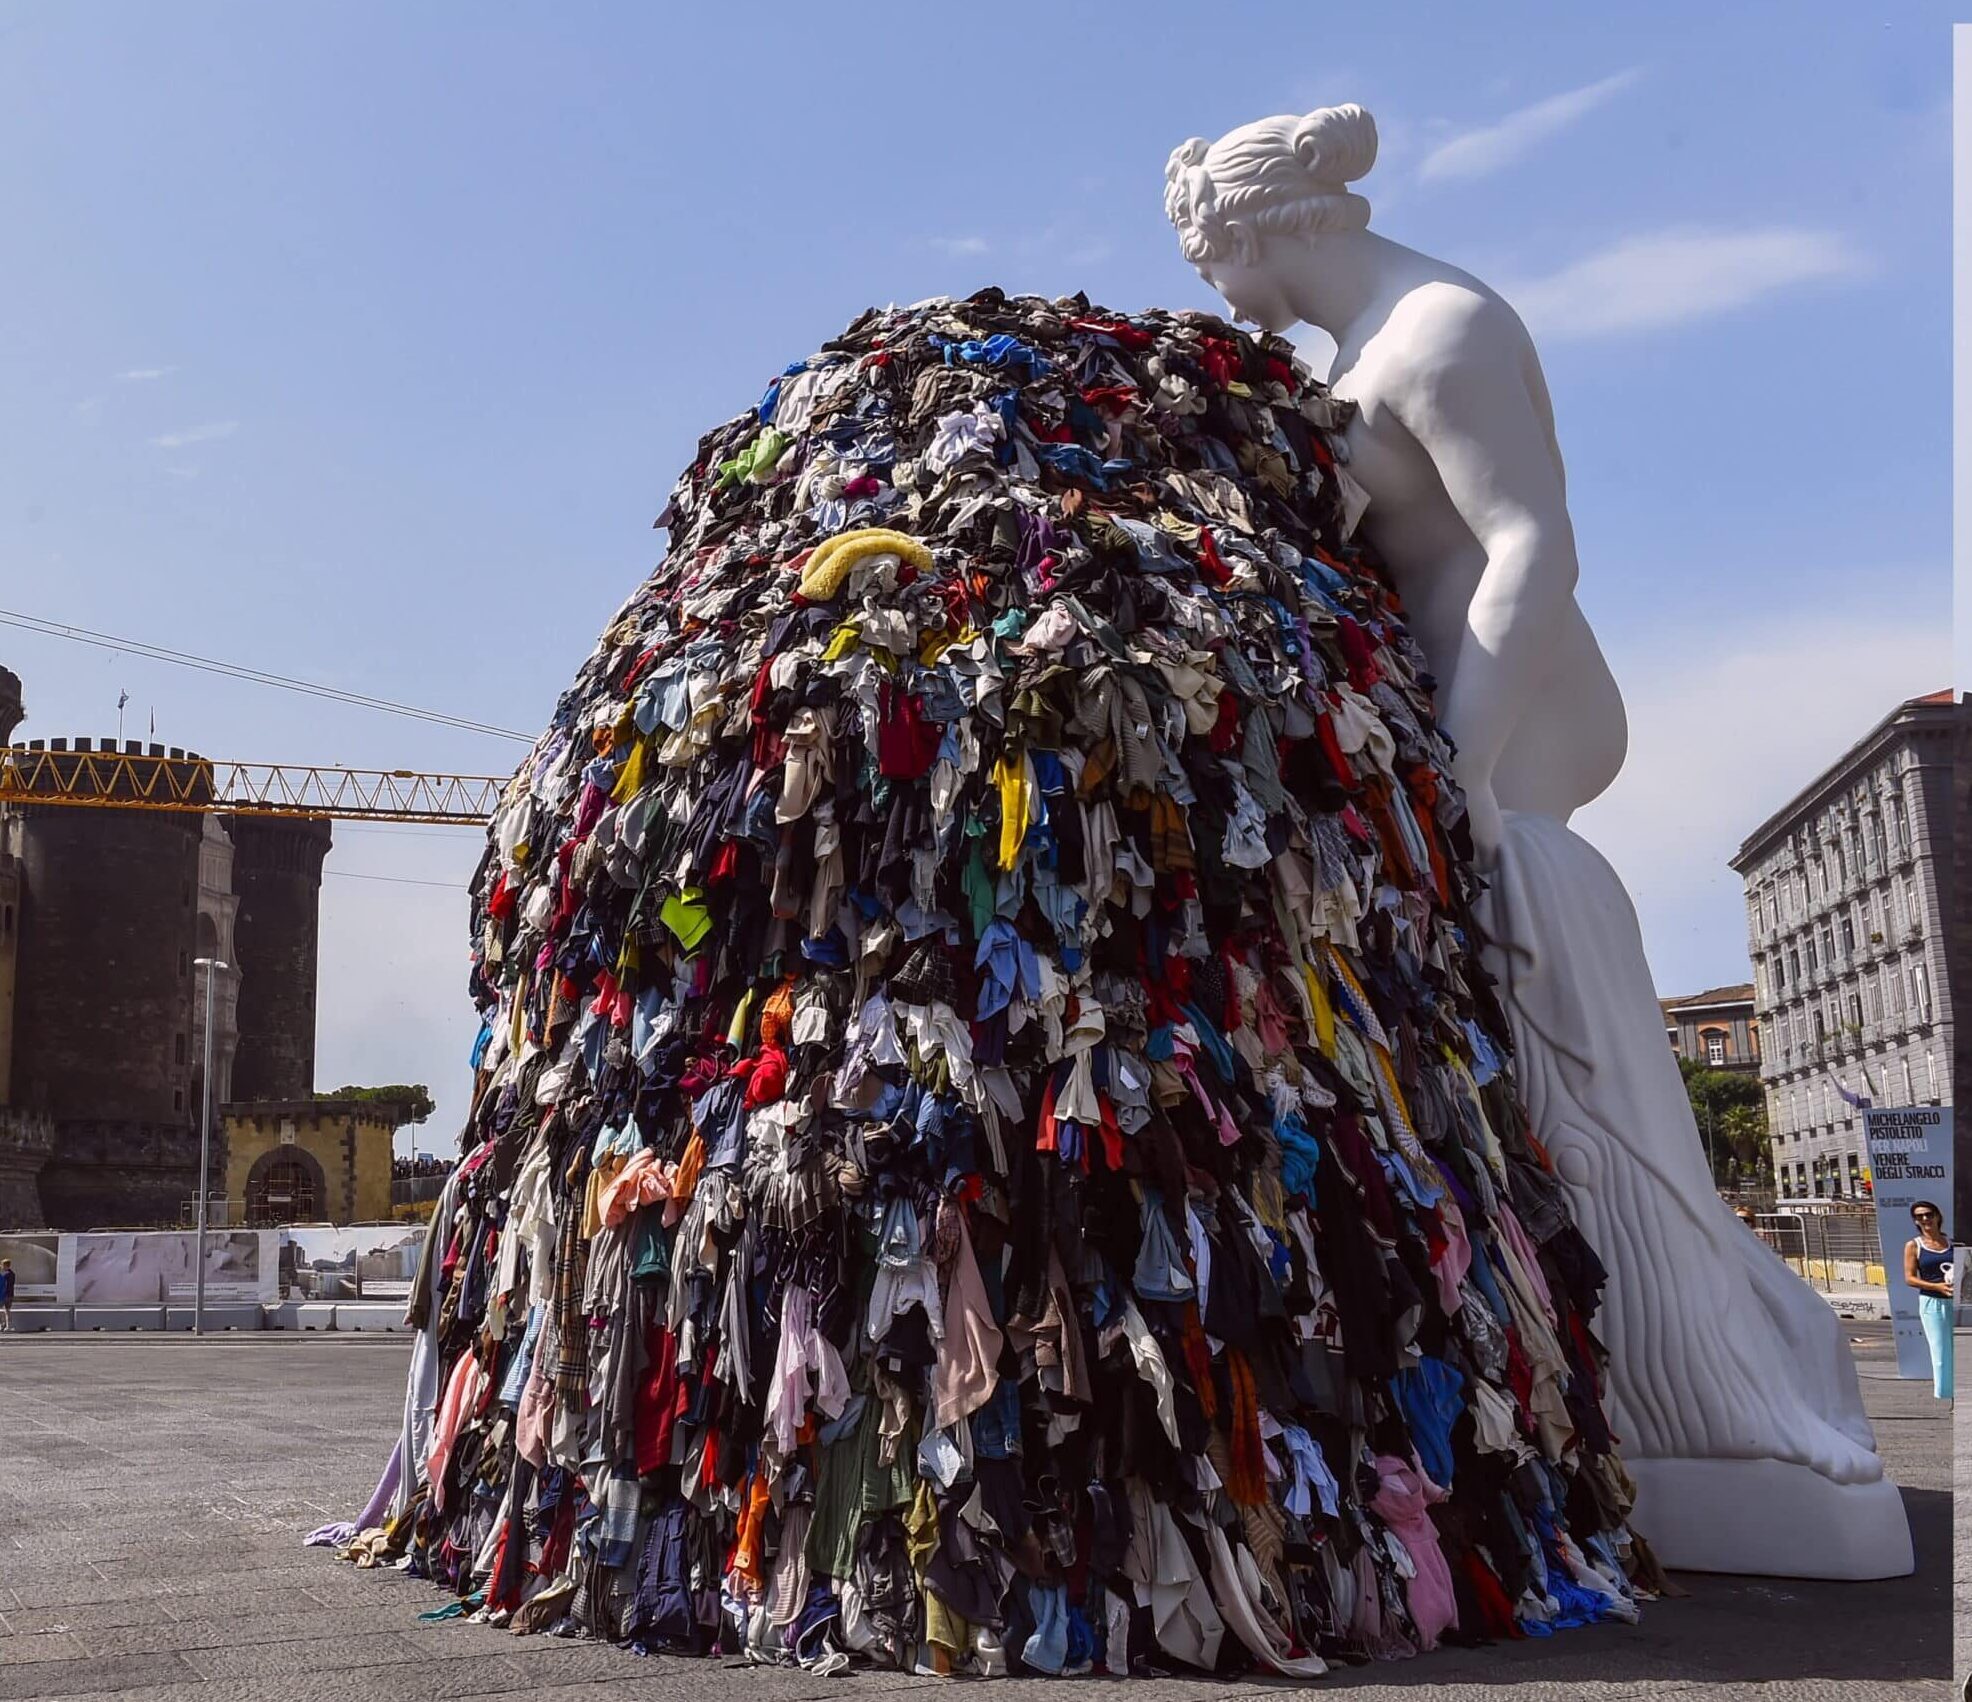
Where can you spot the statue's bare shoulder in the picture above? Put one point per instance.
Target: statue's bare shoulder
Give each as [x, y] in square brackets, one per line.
[1443, 332]
[1447, 358]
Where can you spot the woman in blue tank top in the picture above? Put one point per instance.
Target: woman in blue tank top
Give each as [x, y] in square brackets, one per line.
[1927, 1269]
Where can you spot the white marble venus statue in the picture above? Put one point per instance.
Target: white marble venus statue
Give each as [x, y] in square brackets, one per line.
[1733, 1389]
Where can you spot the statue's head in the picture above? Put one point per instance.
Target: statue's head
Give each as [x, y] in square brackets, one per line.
[1237, 201]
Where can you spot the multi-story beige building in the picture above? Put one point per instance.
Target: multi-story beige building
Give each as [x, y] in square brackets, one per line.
[1718, 1028]
[1845, 889]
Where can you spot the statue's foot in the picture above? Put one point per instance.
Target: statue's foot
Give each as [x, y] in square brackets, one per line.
[1770, 1517]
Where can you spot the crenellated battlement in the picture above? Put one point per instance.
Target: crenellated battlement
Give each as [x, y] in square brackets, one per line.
[101, 771]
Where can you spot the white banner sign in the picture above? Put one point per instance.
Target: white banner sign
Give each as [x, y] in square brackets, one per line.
[160, 1267]
[1910, 1159]
[36, 1260]
[364, 1261]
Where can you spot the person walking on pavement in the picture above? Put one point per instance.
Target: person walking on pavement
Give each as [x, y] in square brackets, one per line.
[1927, 1268]
[6, 1294]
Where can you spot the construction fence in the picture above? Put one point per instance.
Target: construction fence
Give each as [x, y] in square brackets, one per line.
[1830, 1245]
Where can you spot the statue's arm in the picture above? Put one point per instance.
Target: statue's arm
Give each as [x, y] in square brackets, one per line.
[1468, 403]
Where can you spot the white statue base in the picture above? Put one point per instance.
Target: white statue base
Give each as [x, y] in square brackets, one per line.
[1766, 1516]
[1730, 1381]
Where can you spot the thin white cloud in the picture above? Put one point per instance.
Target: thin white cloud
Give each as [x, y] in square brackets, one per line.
[1671, 277]
[1480, 153]
[197, 434]
[1683, 803]
[957, 246]
[144, 374]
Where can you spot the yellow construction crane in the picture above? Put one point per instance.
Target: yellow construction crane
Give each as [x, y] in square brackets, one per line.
[76, 774]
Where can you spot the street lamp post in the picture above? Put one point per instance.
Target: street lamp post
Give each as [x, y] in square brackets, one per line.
[211, 966]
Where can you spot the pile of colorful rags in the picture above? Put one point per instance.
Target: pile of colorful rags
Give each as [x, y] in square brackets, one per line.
[991, 1146]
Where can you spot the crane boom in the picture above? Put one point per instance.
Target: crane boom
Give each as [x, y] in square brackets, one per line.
[135, 778]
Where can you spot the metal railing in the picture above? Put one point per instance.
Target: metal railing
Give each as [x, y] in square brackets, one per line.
[1816, 1239]
[416, 1190]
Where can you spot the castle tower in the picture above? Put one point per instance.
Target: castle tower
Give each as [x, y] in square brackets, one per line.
[107, 915]
[277, 875]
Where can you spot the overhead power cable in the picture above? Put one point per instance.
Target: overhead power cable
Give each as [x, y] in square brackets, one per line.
[255, 676]
[392, 880]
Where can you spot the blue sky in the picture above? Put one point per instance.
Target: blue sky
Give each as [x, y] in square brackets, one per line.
[363, 343]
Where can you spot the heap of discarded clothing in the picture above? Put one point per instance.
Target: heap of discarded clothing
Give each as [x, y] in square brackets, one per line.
[992, 1148]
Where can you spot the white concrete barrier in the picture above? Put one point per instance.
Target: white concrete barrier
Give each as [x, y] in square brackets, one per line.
[119, 1317]
[33, 1318]
[380, 1315]
[301, 1315]
[219, 1315]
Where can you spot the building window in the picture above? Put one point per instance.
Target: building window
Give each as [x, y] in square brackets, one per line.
[1715, 1047]
[1920, 992]
[1855, 1173]
[178, 1048]
[1849, 935]
[1901, 823]
[1813, 963]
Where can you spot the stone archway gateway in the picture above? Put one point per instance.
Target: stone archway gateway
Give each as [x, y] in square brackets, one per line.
[285, 1186]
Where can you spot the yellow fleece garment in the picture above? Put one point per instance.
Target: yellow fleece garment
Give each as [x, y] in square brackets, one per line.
[1014, 776]
[828, 568]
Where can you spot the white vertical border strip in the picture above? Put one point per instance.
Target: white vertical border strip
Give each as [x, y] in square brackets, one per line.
[1961, 348]
[1961, 580]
